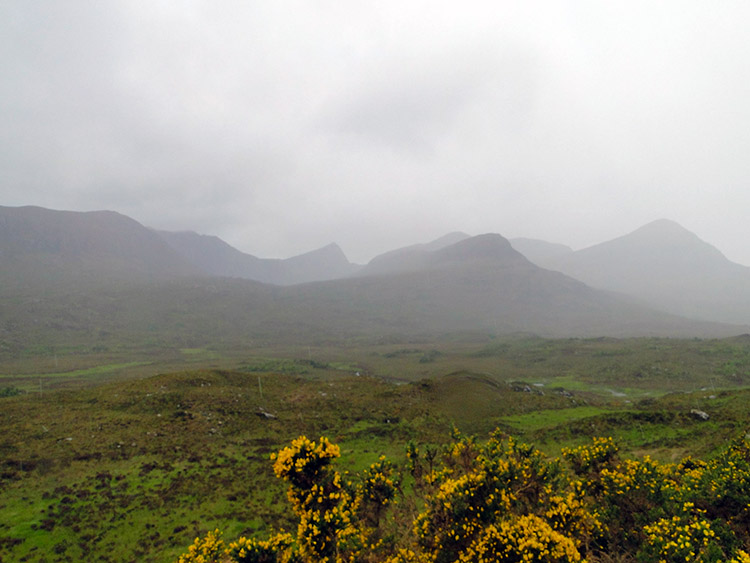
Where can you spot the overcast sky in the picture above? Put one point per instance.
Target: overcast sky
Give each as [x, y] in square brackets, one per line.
[281, 126]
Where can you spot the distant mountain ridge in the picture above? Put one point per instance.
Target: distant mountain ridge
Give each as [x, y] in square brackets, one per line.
[539, 251]
[103, 273]
[667, 267]
[217, 258]
[409, 258]
[479, 284]
[40, 247]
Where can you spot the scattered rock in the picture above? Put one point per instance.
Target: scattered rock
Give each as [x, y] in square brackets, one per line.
[263, 414]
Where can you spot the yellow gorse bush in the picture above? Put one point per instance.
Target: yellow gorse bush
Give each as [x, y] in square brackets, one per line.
[501, 500]
[278, 548]
[523, 539]
[500, 487]
[206, 549]
[301, 462]
[681, 539]
[593, 456]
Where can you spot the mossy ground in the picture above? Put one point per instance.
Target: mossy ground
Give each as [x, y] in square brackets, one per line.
[127, 456]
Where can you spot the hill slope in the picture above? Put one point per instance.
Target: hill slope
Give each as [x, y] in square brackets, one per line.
[539, 251]
[481, 283]
[667, 267]
[478, 285]
[44, 249]
[217, 258]
[409, 258]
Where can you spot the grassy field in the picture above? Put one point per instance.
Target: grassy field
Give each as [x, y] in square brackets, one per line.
[127, 455]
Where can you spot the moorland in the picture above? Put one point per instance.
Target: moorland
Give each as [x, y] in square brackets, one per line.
[130, 462]
[141, 398]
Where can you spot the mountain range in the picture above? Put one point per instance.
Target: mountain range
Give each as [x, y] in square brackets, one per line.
[662, 264]
[215, 257]
[101, 276]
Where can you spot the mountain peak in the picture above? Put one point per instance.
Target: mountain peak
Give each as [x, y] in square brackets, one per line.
[331, 253]
[665, 228]
[673, 242]
[331, 250]
[668, 267]
[489, 246]
[664, 224]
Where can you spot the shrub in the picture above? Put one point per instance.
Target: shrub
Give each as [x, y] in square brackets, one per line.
[501, 500]
[206, 549]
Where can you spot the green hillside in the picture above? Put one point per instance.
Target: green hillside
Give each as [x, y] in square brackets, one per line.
[135, 468]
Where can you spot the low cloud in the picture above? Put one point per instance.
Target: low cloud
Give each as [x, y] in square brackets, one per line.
[281, 127]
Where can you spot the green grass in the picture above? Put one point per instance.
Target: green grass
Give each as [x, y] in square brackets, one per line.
[197, 352]
[186, 451]
[100, 370]
[539, 420]
[572, 382]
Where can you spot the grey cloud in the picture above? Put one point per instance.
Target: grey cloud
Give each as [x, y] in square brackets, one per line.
[417, 105]
[282, 126]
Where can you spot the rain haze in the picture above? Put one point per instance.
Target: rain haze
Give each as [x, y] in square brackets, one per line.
[284, 126]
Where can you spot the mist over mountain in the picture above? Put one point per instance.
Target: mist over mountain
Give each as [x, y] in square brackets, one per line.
[42, 248]
[479, 286]
[326, 263]
[101, 278]
[482, 283]
[539, 251]
[49, 249]
[667, 267]
[409, 258]
[217, 258]
[211, 254]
